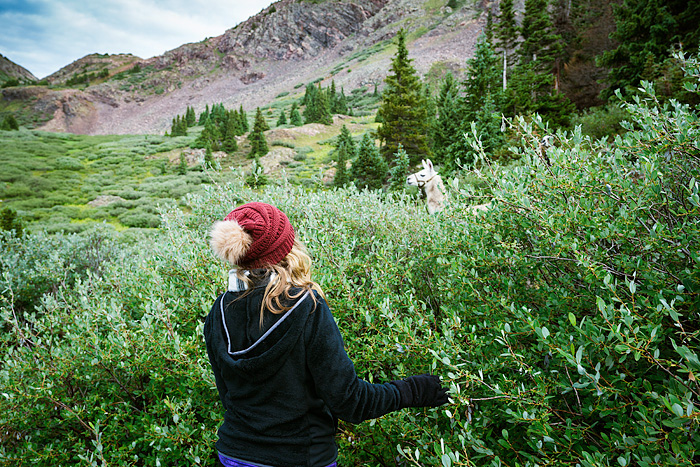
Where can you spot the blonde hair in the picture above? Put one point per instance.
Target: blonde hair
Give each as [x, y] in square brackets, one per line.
[294, 271]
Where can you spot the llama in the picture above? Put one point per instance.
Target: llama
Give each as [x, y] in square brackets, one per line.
[431, 182]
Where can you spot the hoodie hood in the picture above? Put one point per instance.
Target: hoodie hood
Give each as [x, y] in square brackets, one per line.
[245, 348]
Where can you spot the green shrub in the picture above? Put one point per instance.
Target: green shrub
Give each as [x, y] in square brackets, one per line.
[602, 122]
[564, 320]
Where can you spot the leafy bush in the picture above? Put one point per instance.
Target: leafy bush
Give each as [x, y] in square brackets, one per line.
[564, 319]
[602, 122]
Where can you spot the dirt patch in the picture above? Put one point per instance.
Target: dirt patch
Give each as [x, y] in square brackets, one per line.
[273, 160]
[105, 200]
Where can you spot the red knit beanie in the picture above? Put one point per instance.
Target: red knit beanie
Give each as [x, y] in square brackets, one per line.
[266, 236]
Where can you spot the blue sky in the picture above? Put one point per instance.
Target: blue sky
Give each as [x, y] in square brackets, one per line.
[46, 35]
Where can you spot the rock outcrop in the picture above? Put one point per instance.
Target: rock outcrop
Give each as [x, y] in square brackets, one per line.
[9, 70]
[287, 45]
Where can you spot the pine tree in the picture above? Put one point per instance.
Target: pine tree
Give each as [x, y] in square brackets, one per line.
[332, 98]
[483, 77]
[324, 113]
[230, 145]
[448, 124]
[344, 151]
[204, 115]
[541, 45]
[282, 120]
[10, 123]
[342, 103]
[506, 31]
[311, 102]
[190, 117]
[295, 116]
[208, 157]
[182, 166]
[318, 105]
[209, 136]
[399, 171]
[10, 221]
[534, 80]
[648, 27]
[258, 143]
[403, 109]
[488, 127]
[244, 120]
[481, 90]
[369, 169]
[178, 127]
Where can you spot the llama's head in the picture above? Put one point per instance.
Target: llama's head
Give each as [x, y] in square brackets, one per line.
[419, 179]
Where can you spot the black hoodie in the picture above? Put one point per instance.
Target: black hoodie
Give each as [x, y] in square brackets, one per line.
[282, 385]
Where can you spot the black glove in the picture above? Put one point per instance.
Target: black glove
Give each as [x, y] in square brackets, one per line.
[421, 391]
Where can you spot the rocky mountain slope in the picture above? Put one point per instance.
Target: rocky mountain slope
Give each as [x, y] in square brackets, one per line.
[11, 71]
[276, 52]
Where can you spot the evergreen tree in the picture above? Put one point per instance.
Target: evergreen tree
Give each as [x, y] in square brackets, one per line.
[182, 166]
[311, 102]
[481, 90]
[369, 169]
[295, 116]
[399, 171]
[9, 123]
[244, 120]
[483, 77]
[324, 113]
[9, 221]
[506, 31]
[448, 124]
[178, 127]
[431, 112]
[541, 45]
[341, 104]
[534, 81]
[344, 151]
[258, 143]
[488, 126]
[647, 27]
[190, 117]
[282, 120]
[230, 145]
[208, 157]
[403, 109]
[204, 115]
[209, 136]
[332, 98]
[263, 123]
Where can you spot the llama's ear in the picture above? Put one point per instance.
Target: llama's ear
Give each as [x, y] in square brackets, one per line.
[425, 164]
[429, 164]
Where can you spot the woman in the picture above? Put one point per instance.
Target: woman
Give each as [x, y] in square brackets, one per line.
[278, 357]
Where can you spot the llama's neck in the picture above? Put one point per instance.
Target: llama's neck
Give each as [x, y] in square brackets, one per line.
[434, 193]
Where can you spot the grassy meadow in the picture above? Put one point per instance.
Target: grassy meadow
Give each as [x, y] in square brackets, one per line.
[52, 180]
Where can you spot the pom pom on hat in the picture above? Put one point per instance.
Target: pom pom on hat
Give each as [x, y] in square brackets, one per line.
[253, 236]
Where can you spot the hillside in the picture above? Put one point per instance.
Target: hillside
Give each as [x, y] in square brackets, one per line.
[277, 51]
[10, 71]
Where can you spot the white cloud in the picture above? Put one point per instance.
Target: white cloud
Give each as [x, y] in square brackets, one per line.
[45, 35]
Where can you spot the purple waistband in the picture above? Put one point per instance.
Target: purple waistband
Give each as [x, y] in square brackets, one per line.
[230, 462]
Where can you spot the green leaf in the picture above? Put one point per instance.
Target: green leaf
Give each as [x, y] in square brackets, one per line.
[677, 409]
[572, 319]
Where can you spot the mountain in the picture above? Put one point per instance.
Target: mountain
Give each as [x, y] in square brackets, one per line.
[277, 52]
[10, 71]
[93, 68]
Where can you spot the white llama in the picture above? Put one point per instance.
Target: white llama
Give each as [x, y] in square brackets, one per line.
[429, 180]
